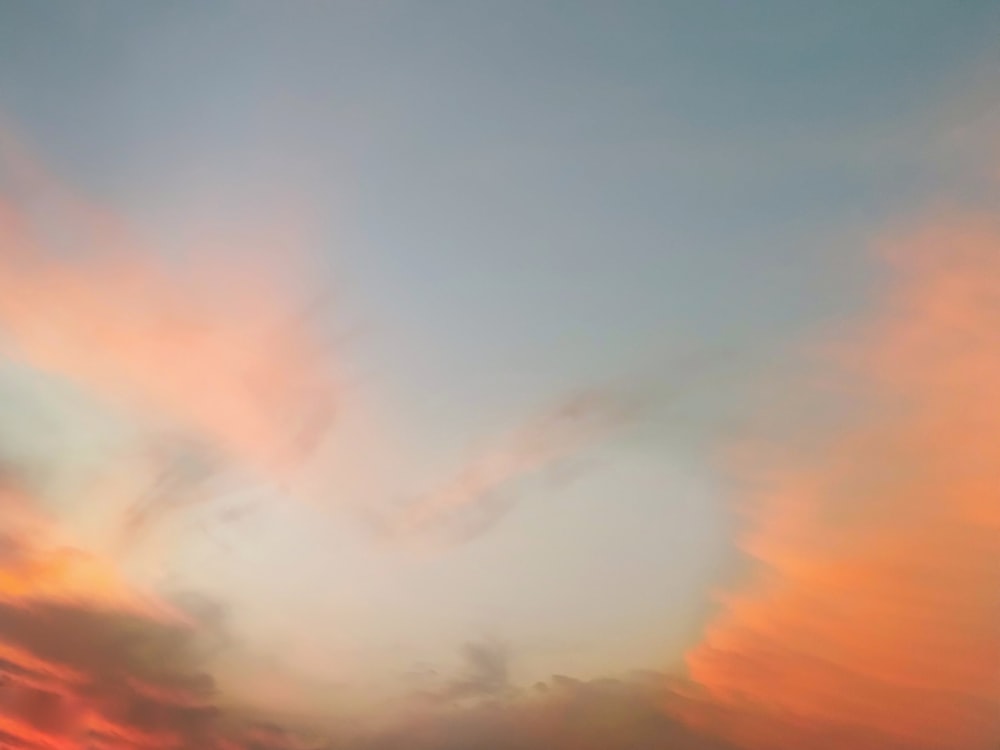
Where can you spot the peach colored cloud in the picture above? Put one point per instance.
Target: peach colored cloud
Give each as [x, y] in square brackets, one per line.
[872, 616]
[215, 345]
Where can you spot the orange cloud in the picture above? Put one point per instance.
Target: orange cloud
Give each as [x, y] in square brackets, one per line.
[872, 617]
[206, 348]
[76, 673]
[39, 564]
[219, 349]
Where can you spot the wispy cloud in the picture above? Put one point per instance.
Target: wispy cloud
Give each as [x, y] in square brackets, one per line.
[485, 489]
[212, 355]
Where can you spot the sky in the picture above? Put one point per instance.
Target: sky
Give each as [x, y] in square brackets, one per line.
[442, 348]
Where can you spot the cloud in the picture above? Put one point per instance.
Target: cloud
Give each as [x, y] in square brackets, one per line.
[78, 660]
[485, 675]
[40, 564]
[483, 491]
[872, 613]
[211, 374]
[79, 668]
[214, 349]
[560, 713]
[486, 670]
[869, 619]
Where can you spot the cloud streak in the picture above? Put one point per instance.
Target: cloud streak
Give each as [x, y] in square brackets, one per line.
[482, 491]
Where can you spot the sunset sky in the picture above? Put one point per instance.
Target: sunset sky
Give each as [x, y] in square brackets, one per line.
[441, 348]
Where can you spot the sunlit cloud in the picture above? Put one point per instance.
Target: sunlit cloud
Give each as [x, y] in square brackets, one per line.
[872, 616]
[213, 355]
